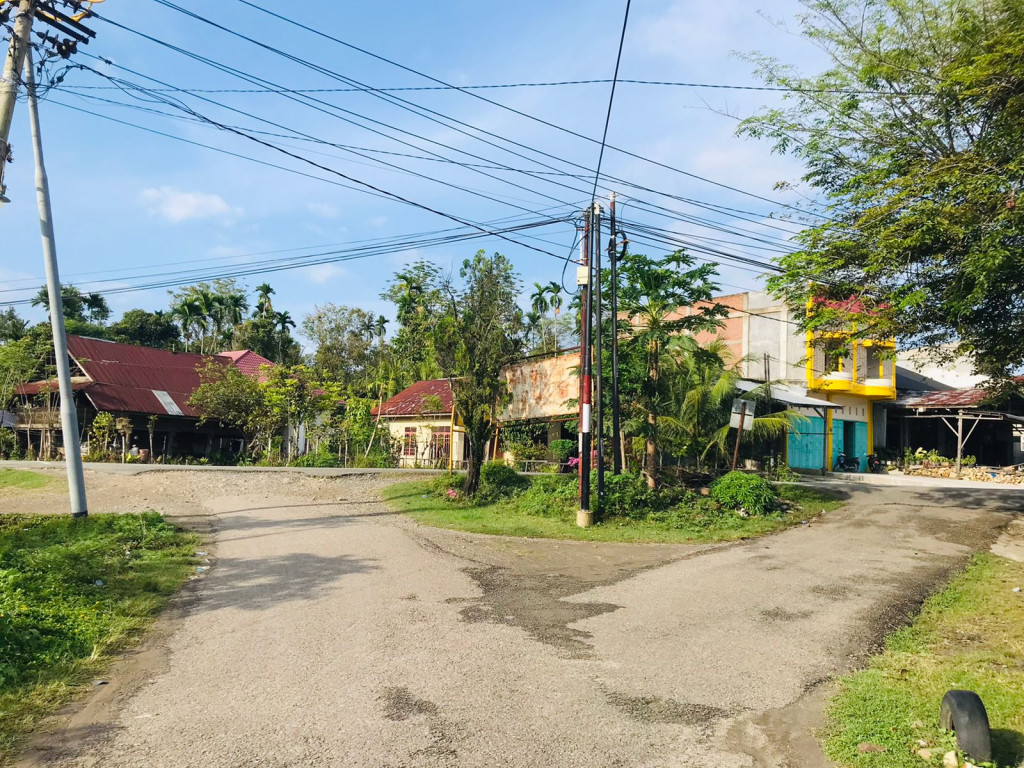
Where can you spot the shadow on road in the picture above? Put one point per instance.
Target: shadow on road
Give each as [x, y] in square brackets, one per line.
[257, 584]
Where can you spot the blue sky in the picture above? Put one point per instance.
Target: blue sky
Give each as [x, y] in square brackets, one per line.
[129, 203]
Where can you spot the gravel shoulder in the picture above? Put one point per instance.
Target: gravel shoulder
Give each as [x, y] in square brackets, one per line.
[331, 631]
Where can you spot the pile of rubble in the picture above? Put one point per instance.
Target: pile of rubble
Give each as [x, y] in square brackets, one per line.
[1013, 475]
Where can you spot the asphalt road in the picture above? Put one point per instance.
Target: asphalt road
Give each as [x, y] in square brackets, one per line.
[329, 632]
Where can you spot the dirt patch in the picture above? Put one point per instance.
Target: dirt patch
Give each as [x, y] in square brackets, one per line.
[401, 704]
[782, 615]
[654, 709]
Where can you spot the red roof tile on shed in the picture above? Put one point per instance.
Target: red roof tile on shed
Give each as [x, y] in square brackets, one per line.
[248, 362]
[410, 401]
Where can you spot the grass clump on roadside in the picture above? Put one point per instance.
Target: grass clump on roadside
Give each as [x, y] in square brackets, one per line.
[968, 636]
[23, 480]
[510, 504]
[72, 592]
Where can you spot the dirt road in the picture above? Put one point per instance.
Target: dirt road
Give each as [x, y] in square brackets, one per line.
[329, 632]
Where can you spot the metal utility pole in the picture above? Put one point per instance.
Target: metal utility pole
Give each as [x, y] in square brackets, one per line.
[13, 64]
[598, 356]
[584, 516]
[68, 416]
[612, 258]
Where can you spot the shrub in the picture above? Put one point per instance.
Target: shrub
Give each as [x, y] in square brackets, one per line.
[560, 449]
[739, 490]
[8, 444]
[550, 497]
[317, 459]
[629, 496]
[499, 481]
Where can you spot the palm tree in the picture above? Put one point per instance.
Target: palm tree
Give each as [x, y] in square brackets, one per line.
[555, 302]
[99, 310]
[702, 384]
[208, 304]
[282, 322]
[186, 312]
[234, 306]
[263, 304]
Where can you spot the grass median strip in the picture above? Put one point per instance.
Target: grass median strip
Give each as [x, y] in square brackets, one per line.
[20, 479]
[547, 511]
[968, 636]
[71, 593]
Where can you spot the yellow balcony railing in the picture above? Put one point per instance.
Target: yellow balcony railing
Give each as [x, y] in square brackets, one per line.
[852, 366]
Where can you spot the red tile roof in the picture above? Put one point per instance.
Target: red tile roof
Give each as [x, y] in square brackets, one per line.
[411, 401]
[248, 362]
[133, 379]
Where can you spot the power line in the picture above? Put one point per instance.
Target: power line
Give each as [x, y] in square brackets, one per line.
[546, 84]
[184, 277]
[611, 100]
[491, 101]
[237, 73]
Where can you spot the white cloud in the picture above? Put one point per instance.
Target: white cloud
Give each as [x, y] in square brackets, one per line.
[324, 273]
[378, 221]
[324, 210]
[176, 206]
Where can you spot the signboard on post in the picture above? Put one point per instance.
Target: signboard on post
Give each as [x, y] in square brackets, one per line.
[742, 414]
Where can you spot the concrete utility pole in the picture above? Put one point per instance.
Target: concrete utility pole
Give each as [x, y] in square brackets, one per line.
[68, 416]
[13, 63]
[584, 516]
[612, 259]
[598, 356]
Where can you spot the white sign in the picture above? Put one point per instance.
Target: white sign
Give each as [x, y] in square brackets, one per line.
[746, 409]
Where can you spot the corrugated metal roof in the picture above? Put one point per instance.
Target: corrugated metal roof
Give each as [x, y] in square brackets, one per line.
[411, 401]
[133, 379]
[951, 398]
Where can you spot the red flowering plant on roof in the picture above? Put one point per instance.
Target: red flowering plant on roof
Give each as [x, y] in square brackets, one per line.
[848, 316]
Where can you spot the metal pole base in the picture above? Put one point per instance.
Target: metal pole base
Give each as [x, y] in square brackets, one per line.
[79, 515]
[584, 518]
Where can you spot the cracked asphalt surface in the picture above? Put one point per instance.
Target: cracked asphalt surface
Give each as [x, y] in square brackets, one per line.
[329, 631]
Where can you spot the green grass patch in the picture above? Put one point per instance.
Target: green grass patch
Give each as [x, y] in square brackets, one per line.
[547, 510]
[970, 635]
[71, 593]
[22, 480]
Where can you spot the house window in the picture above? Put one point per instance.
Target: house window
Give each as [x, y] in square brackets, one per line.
[409, 443]
[441, 443]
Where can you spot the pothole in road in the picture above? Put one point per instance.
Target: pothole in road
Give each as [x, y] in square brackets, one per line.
[535, 604]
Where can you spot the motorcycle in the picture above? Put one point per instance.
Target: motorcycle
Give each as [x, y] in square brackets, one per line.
[844, 463]
[875, 464]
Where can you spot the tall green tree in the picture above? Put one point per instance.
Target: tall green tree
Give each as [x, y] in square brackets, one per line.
[147, 329]
[654, 295]
[419, 302]
[12, 326]
[343, 337]
[481, 331]
[914, 140]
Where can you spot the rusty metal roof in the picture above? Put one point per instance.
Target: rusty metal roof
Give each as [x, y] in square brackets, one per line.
[131, 379]
[950, 398]
[412, 401]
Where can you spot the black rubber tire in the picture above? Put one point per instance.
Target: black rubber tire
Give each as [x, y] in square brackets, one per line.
[964, 714]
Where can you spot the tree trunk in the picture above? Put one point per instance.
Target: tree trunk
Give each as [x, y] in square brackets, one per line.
[478, 440]
[651, 453]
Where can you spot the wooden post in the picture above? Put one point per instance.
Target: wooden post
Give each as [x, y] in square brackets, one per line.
[739, 434]
[959, 440]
